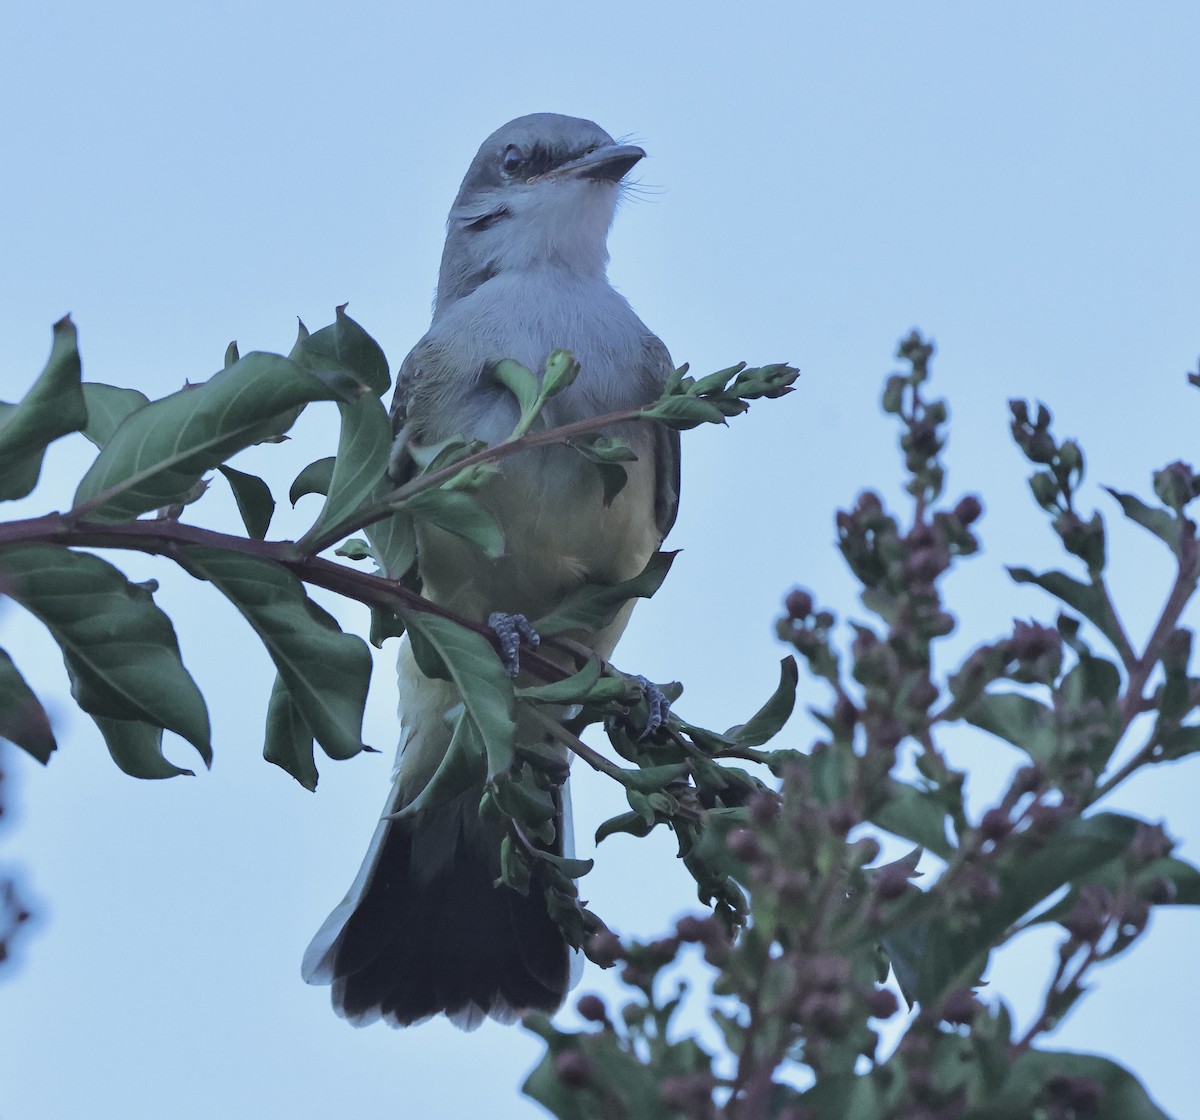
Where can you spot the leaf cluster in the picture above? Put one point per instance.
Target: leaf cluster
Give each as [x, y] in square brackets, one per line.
[836, 941]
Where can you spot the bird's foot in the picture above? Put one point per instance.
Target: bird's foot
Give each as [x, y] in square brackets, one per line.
[658, 707]
[511, 630]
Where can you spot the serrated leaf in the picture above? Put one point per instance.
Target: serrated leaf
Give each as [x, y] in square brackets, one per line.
[594, 605]
[1081, 597]
[254, 501]
[768, 721]
[344, 347]
[120, 649]
[314, 479]
[361, 462]
[1162, 524]
[1020, 720]
[52, 408]
[289, 740]
[326, 672]
[475, 669]
[23, 720]
[107, 407]
[461, 514]
[136, 748]
[157, 456]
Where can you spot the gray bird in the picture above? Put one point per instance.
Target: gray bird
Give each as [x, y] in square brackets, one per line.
[423, 930]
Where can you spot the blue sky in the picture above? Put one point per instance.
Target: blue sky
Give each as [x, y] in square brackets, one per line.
[1018, 180]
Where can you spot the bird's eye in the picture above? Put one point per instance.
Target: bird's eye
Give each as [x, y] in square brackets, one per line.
[513, 160]
[590, 150]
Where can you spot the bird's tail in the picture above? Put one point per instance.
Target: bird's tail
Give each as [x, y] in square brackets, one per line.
[424, 930]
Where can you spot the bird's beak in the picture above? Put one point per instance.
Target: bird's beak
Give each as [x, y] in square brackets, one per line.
[612, 163]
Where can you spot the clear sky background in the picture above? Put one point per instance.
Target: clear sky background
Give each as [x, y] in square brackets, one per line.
[1018, 180]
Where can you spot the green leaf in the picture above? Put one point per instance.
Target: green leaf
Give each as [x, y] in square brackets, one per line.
[23, 720]
[1094, 679]
[917, 815]
[344, 347]
[107, 407]
[684, 412]
[325, 671]
[461, 514]
[52, 408]
[561, 371]
[930, 958]
[1020, 720]
[520, 382]
[314, 479]
[608, 453]
[465, 658]
[1162, 524]
[594, 605]
[653, 779]
[156, 457]
[1182, 741]
[633, 823]
[254, 501]
[1181, 874]
[136, 748]
[575, 689]
[1124, 1097]
[120, 649]
[768, 721]
[289, 741]
[361, 462]
[1081, 597]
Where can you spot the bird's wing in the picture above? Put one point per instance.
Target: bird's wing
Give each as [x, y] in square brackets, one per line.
[666, 444]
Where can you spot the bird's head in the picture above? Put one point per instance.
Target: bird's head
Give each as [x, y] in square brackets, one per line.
[540, 192]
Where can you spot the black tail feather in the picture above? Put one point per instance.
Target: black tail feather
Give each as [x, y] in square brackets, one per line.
[420, 944]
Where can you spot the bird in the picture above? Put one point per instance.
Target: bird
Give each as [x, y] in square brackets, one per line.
[424, 930]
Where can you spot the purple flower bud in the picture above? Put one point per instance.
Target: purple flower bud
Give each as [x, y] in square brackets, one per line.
[604, 948]
[573, 1069]
[744, 845]
[995, 825]
[960, 1006]
[968, 510]
[592, 1009]
[799, 604]
[882, 1003]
